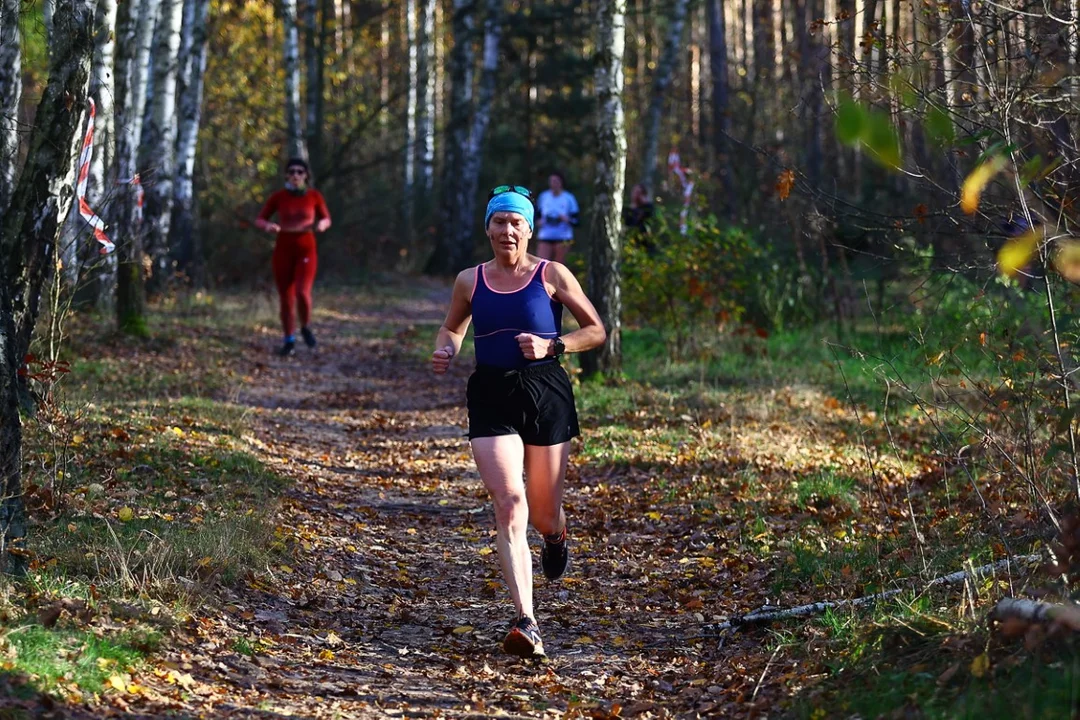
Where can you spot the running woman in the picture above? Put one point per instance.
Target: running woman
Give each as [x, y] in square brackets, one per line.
[521, 405]
[301, 212]
[559, 215]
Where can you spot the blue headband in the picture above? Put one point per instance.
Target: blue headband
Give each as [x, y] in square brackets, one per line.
[510, 202]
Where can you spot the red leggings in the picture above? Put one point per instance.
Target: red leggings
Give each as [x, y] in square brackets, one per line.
[294, 266]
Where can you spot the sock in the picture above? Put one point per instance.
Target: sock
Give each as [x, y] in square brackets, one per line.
[556, 538]
[290, 338]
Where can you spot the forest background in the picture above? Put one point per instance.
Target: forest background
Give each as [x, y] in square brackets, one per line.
[881, 210]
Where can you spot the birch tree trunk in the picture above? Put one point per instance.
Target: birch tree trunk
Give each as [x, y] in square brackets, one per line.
[661, 83]
[605, 232]
[102, 90]
[158, 148]
[409, 191]
[30, 230]
[461, 64]
[190, 84]
[426, 105]
[10, 94]
[132, 61]
[485, 94]
[292, 81]
[100, 270]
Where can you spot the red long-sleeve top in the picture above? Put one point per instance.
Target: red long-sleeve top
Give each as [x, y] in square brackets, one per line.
[294, 210]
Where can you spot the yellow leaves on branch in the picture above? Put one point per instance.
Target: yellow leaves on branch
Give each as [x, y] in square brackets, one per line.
[1066, 259]
[978, 180]
[1017, 252]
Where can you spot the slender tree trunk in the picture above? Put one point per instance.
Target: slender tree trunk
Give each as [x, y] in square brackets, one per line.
[102, 90]
[158, 148]
[30, 230]
[814, 57]
[292, 81]
[10, 94]
[409, 191]
[313, 61]
[443, 259]
[426, 103]
[95, 287]
[126, 227]
[605, 232]
[485, 95]
[661, 83]
[721, 119]
[192, 69]
[384, 68]
[764, 60]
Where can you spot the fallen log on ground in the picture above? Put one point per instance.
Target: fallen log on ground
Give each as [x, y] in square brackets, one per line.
[767, 614]
[1036, 611]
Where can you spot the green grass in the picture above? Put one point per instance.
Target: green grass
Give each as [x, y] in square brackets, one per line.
[154, 483]
[56, 657]
[910, 660]
[827, 487]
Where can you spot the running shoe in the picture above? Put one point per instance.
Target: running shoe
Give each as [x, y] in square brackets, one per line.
[554, 556]
[523, 639]
[309, 337]
[287, 348]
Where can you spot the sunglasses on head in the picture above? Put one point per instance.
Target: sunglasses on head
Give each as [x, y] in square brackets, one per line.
[500, 189]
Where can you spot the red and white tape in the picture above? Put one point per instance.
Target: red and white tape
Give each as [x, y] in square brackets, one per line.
[138, 194]
[675, 166]
[85, 211]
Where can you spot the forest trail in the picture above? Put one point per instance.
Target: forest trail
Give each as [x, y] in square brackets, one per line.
[393, 605]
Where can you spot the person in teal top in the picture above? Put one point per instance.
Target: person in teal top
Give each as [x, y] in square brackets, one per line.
[520, 401]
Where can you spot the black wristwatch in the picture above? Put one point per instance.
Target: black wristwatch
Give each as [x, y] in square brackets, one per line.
[560, 347]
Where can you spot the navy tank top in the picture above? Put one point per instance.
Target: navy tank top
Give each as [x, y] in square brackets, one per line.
[498, 317]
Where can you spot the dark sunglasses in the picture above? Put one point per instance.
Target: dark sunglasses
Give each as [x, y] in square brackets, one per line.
[296, 171]
[500, 189]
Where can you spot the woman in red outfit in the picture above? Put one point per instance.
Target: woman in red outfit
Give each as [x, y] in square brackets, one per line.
[301, 212]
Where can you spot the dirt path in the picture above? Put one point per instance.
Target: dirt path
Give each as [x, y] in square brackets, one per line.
[393, 606]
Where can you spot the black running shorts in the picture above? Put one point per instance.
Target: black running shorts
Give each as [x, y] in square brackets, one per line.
[535, 402]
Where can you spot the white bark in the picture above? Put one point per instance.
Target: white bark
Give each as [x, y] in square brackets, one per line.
[158, 148]
[426, 109]
[140, 73]
[1036, 611]
[10, 95]
[102, 90]
[192, 70]
[767, 614]
[605, 233]
[48, 8]
[410, 115]
[292, 81]
[78, 244]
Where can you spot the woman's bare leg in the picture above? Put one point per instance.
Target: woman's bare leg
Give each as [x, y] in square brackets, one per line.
[500, 461]
[545, 469]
